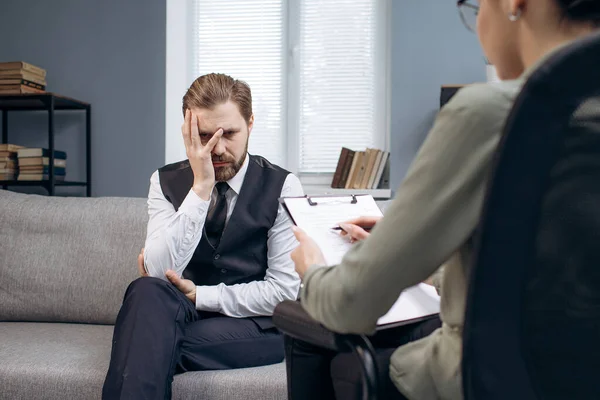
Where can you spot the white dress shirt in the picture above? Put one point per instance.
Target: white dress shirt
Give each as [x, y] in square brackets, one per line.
[172, 238]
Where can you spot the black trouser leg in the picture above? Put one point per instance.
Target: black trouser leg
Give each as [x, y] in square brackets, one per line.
[315, 373]
[346, 376]
[227, 343]
[158, 333]
[308, 375]
[148, 333]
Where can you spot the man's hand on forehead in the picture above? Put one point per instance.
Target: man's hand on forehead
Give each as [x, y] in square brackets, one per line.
[198, 150]
[226, 131]
[208, 126]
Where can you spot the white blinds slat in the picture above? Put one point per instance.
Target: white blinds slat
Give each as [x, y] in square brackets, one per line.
[338, 94]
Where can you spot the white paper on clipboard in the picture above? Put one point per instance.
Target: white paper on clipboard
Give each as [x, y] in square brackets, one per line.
[317, 215]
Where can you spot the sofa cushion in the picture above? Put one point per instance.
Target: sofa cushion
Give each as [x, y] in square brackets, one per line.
[69, 361]
[67, 259]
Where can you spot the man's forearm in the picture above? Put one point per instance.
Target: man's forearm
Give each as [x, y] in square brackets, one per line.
[160, 256]
[173, 236]
[258, 298]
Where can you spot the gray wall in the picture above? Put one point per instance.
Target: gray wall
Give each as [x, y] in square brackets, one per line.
[430, 47]
[110, 53]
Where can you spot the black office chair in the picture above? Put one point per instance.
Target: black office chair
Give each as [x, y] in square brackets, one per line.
[532, 324]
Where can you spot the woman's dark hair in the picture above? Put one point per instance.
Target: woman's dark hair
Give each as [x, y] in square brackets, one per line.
[586, 11]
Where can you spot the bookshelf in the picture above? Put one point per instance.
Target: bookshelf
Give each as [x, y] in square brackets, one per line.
[51, 103]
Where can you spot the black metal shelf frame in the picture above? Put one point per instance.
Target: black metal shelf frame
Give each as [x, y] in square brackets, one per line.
[49, 102]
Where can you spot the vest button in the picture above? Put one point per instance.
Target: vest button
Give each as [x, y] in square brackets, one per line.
[223, 271]
[217, 256]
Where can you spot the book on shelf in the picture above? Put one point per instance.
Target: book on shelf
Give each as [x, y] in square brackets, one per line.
[26, 161]
[10, 147]
[30, 164]
[7, 177]
[361, 169]
[8, 161]
[382, 180]
[7, 164]
[19, 89]
[373, 173]
[37, 161]
[41, 169]
[8, 155]
[359, 172]
[19, 77]
[40, 152]
[21, 65]
[6, 83]
[8, 174]
[39, 177]
[339, 180]
[24, 75]
[371, 156]
[358, 155]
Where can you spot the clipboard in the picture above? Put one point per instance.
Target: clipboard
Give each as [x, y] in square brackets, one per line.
[317, 215]
[312, 201]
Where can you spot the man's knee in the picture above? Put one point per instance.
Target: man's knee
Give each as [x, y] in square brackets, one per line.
[145, 286]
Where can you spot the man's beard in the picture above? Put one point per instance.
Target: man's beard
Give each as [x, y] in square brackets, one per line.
[223, 174]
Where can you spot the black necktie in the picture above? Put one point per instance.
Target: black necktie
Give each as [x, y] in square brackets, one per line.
[215, 221]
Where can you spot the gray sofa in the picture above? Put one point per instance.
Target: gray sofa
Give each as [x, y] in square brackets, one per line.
[65, 263]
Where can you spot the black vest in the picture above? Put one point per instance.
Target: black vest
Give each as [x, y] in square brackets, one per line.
[241, 255]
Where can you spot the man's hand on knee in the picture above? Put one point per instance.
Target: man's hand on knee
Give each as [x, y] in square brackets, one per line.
[185, 286]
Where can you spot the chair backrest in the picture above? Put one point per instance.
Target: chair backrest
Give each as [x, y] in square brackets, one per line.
[532, 325]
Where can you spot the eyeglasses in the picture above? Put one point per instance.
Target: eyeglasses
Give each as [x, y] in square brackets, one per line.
[468, 14]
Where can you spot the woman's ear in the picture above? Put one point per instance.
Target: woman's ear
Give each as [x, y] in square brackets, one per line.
[516, 7]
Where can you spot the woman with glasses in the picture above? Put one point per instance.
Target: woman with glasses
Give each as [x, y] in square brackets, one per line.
[430, 222]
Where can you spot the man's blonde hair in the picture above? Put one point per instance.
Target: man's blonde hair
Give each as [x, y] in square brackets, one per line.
[210, 90]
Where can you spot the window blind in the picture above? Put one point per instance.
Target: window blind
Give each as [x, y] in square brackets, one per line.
[338, 65]
[245, 39]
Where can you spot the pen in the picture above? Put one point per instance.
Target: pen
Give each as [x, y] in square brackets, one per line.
[339, 228]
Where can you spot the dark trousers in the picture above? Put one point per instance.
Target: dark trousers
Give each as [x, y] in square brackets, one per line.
[159, 333]
[315, 373]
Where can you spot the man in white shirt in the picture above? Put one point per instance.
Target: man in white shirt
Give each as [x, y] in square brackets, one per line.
[217, 254]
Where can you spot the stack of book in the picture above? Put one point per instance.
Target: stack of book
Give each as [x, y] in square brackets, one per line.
[34, 164]
[8, 161]
[20, 77]
[368, 169]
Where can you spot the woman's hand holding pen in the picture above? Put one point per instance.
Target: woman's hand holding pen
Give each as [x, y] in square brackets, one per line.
[358, 228]
[308, 251]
